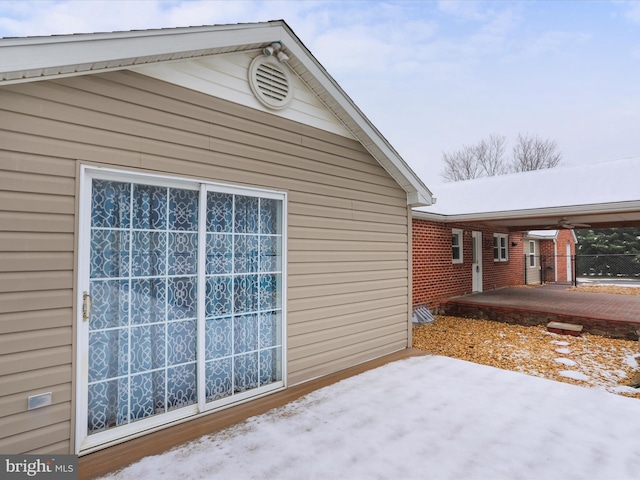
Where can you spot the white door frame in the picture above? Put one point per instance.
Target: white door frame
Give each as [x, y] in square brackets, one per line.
[476, 263]
[569, 269]
[86, 443]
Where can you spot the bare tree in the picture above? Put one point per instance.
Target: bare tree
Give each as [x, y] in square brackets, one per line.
[484, 159]
[487, 158]
[491, 155]
[460, 165]
[533, 153]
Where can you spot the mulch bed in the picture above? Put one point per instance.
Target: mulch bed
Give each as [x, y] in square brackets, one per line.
[614, 289]
[587, 360]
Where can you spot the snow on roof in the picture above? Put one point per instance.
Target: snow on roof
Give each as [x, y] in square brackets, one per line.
[598, 183]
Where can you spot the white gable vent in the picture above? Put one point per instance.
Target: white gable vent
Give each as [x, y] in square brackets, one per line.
[270, 82]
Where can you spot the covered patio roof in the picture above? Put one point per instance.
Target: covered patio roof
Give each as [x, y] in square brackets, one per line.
[598, 195]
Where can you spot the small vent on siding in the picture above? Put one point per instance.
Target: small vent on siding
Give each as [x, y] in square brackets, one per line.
[422, 315]
[270, 82]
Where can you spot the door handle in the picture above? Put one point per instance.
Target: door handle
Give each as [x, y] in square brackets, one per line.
[86, 306]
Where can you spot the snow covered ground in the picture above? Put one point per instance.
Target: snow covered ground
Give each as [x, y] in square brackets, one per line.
[423, 418]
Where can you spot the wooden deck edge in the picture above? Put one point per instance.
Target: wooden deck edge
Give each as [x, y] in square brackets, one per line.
[119, 456]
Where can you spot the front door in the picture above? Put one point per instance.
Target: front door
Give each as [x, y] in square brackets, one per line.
[181, 301]
[476, 273]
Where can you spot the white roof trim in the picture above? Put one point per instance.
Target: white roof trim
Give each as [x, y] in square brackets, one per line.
[542, 235]
[21, 58]
[548, 235]
[41, 58]
[617, 207]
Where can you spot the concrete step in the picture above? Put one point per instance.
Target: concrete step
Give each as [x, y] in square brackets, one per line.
[565, 328]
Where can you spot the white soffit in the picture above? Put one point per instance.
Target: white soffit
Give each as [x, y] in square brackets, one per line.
[41, 58]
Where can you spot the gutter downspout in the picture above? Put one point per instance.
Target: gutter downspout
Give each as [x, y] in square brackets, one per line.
[555, 259]
[410, 278]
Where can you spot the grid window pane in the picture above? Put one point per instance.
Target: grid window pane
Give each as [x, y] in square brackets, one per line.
[144, 276]
[243, 304]
[143, 259]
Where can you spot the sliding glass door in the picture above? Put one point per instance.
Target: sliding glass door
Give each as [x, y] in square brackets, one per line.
[243, 306]
[182, 301]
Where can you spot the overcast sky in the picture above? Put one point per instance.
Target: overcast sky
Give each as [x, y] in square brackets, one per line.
[432, 76]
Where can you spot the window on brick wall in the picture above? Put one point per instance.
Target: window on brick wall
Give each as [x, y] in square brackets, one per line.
[500, 247]
[456, 245]
[532, 253]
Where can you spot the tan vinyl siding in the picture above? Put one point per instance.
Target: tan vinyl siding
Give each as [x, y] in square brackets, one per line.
[36, 379]
[51, 439]
[14, 403]
[36, 281]
[348, 261]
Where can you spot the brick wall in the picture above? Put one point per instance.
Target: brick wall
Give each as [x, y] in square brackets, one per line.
[548, 252]
[592, 325]
[436, 278]
[556, 255]
[565, 237]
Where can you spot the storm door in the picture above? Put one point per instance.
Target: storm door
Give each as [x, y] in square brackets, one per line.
[476, 262]
[181, 301]
[534, 275]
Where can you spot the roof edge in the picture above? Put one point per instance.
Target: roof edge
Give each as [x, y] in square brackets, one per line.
[30, 55]
[595, 208]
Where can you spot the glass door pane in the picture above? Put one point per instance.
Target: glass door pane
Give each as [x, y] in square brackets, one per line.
[143, 282]
[243, 307]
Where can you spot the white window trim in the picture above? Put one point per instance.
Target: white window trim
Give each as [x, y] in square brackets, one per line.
[459, 233]
[499, 238]
[84, 443]
[532, 255]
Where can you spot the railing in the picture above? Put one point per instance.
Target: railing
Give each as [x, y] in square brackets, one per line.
[608, 268]
[621, 268]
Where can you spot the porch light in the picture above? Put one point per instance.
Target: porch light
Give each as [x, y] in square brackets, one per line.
[283, 57]
[275, 50]
[271, 49]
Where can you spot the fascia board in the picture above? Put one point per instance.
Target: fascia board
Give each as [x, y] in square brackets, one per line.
[48, 52]
[614, 207]
[531, 236]
[418, 199]
[434, 217]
